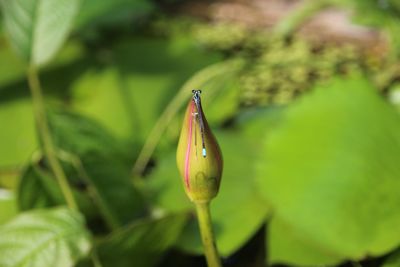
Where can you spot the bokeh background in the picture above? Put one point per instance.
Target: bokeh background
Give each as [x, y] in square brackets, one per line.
[303, 97]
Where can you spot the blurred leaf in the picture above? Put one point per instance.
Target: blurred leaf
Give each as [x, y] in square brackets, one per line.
[113, 182]
[156, 77]
[8, 206]
[103, 160]
[83, 136]
[44, 238]
[94, 91]
[97, 168]
[393, 260]
[384, 15]
[330, 171]
[13, 74]
[14, 70]
[286, 245]
[17, 135]
[142, 243]
[150, 69]
[39, 189]
[95, 12]
[9, 177]
[237, 211]
[283, 244]
[38, 28]
[222, 97]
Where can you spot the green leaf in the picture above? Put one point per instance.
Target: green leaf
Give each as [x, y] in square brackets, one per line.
[68, 61]
[237, 212]
[146, 68]
[39, 189]
[286, 245]
[14, 70]
[93, 91]
[40, 238]
[103, 161]
[141, 243]
[330, 171]
[111, 12]
[38, 28]
[83, 136]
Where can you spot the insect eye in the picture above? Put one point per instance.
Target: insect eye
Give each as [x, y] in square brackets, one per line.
[196, 92]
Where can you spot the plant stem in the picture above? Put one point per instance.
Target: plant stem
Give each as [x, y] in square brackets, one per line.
[207, 234]
[45, 137]
[95, 258]
[293, 21]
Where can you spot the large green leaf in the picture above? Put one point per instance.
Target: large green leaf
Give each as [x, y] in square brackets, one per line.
[37, 28]
[331, 172]
[237, 211]
[44, 238]
[141, 243]
[284, 244]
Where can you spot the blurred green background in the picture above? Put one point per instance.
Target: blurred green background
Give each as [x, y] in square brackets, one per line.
[303, 97]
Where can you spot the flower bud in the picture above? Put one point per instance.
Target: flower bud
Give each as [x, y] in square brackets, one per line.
[199, 157]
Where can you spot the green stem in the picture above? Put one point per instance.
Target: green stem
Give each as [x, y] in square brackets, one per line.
[95, 258]
[293, 21]
[207, 235]
[46, 140]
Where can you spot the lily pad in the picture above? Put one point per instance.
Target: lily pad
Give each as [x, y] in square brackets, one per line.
[330, 171]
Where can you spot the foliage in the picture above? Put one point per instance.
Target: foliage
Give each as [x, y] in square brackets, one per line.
[44, 238]
[310, 142]
[276, 76]
[325, 198]
[143, 242]
[36, 29]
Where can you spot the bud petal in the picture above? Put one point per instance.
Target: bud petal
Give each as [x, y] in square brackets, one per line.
[198, 156]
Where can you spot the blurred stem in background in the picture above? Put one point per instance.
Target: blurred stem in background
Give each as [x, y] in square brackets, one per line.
[45, 137]
[290, 24]
[207, 234]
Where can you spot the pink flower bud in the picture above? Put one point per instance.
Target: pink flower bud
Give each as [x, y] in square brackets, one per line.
[198, 156]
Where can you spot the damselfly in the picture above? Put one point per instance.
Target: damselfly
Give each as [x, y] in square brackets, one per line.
[197, 101]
